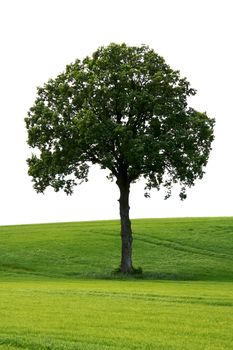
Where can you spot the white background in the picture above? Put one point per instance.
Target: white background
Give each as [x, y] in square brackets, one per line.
[39, 37]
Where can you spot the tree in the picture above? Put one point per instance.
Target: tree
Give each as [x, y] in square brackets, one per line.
[125, 109]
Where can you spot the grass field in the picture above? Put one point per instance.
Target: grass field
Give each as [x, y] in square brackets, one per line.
[57, 290]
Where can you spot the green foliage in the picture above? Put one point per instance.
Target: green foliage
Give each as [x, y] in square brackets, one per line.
[125, 109]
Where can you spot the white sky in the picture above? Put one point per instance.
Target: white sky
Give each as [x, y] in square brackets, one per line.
[39, 37]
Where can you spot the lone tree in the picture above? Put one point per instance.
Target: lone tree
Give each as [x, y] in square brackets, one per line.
[125, 109]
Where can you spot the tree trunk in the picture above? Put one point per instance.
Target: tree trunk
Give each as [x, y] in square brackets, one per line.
[126, 266]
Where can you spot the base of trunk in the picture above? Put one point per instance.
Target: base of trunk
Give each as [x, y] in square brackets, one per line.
[127, 270]
[132, 272]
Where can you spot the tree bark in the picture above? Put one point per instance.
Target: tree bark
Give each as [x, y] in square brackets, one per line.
[126, 266]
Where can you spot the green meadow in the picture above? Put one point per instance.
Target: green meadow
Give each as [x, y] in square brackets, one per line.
[58, 289]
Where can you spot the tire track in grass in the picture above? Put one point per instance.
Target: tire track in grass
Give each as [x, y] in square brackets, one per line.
[181, 247]
[150, 297]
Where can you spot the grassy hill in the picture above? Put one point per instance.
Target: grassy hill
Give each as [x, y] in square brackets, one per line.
[177, 249]
[57, 290]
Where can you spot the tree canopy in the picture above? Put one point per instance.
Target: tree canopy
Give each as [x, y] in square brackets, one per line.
[125, 109]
